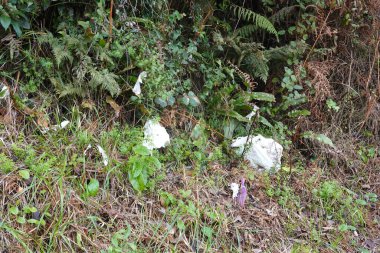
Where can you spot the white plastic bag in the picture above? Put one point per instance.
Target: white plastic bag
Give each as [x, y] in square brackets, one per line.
[155, 135]
[261, 152]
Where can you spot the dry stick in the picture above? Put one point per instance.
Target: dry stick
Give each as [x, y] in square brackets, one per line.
[318, 37]
[111, 21]
[368, 93]
[249, 132]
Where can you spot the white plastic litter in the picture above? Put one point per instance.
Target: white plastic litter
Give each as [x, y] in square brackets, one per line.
[64, 124]
[4, 92]
[104, 155]
[261, 152]
[155, 135]
[137, 88]
[253, 113]
[235, 190]
[88, 147]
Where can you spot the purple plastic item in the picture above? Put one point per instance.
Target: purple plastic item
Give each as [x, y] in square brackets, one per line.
[242, 194]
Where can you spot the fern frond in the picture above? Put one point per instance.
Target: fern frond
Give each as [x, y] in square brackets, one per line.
[71, 90]
[105, 80]
[257, 19]
[282, 14]
[61, 54]
[285, 52]
[257, 65]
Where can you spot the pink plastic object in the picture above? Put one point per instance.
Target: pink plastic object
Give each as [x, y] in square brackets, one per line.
[243, 193]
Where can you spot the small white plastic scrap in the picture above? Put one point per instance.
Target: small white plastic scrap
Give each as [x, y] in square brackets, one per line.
[137, 88]
[5, 91]
[88, 147]
[155, 135]
[104, 155]
[235, 190]
[253, 113]
[64, 124]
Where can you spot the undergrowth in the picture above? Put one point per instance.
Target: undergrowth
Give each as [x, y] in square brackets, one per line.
[303, 72]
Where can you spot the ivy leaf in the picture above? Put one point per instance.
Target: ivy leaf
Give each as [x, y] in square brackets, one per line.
[92, 187]
[5, 21]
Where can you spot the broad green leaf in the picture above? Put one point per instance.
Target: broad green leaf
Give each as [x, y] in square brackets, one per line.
[297, 113]
[92, 187]
[16, 27]
[263, 96]
[14, 210]
[24, 174]
[21, 220]
[324, 139]
[32, 221]
[156, 162]
[5, 21]
[318, 137]
[235, 115]
[265, 122]
[29, 209]
[361, 202]
[141, 150]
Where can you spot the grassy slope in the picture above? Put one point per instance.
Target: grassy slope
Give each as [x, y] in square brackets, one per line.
[186, 210]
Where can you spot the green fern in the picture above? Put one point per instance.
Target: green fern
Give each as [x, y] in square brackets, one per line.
[282, 14]
[105, 80]
[257, 19]
[257, 65]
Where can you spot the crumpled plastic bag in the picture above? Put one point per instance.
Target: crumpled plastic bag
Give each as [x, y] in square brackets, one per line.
[262, 153]
[155, 135]
[137, 88]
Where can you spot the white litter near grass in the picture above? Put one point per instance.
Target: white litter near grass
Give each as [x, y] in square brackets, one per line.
[63, 125]
[155, 135]
[88, 147]
[137, 88]
[4, 92]
[235, 190]
[104, 155]
[261, 152]
[253, 113]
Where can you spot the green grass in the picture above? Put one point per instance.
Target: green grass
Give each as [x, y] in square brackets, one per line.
[72, 202]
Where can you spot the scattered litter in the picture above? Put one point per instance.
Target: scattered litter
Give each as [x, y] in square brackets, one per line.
[253, 113]
[4, 92]
[131, 24]
[155, 135]
[137, 88]
[104, 155]
[235, 190]
[88, 147]
[271, 212]
[261, 152]
[242, 194]
[63, 125]
[238, 219]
